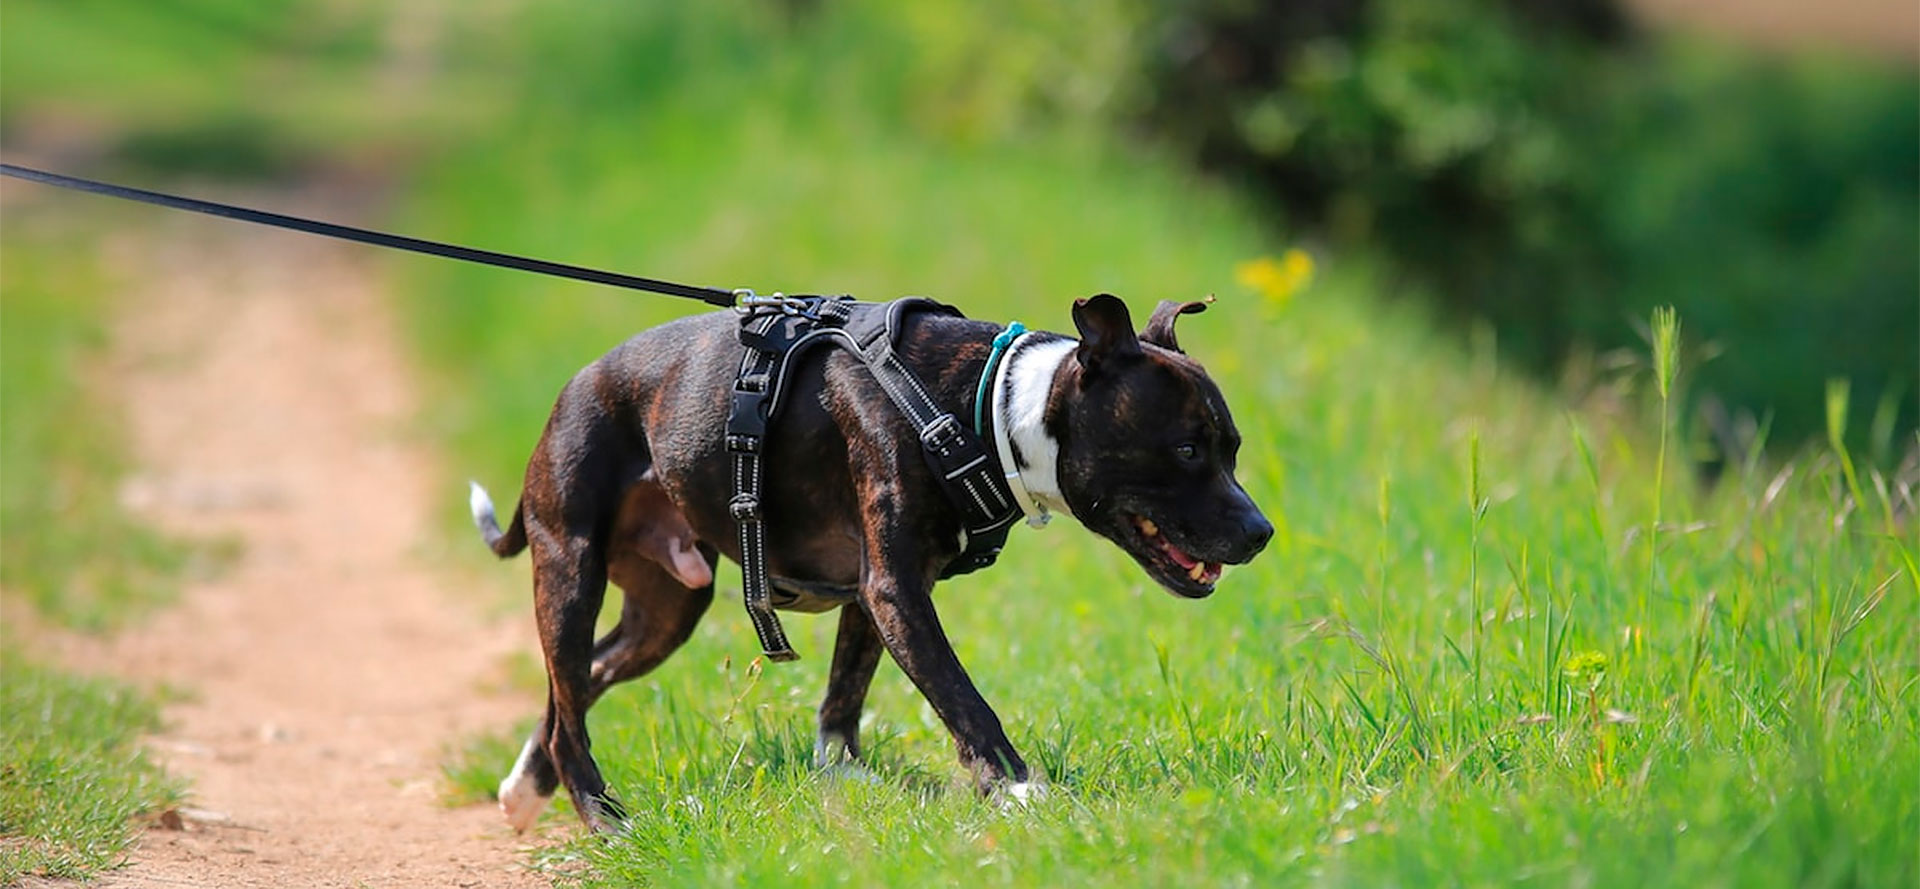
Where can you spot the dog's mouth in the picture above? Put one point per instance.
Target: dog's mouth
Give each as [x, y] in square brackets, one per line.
[1176, 569]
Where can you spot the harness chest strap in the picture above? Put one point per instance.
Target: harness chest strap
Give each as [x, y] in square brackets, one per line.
[745, 437]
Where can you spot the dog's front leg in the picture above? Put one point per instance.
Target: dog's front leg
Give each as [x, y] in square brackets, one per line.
[856, 654]
[897, 591]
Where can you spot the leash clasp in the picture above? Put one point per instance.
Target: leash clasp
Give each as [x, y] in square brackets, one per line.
[746, 302]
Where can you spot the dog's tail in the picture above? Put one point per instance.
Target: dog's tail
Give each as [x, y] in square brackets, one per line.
[503, 543]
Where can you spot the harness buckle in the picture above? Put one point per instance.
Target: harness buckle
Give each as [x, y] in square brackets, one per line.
[942, 435]
[744, 508]
[833, 311]
[746, 420]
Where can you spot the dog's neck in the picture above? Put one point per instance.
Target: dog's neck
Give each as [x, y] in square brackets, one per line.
[1030, 457]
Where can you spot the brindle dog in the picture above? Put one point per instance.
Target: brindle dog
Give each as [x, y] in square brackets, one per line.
[630, 483]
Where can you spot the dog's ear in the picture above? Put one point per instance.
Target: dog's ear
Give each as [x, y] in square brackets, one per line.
[1160, 326]
[1106, 331]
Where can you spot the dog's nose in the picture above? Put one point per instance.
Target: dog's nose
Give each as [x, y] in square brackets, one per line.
[1255, 531]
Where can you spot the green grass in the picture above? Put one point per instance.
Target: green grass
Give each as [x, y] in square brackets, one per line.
[72, 778]
[1496, 640]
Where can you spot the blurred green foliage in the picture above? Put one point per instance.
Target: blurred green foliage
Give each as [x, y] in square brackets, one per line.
[734, 145]
[67, 545]
[240, 90]
[1542, 166]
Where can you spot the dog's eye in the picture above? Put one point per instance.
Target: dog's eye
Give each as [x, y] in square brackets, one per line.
[1187, 451]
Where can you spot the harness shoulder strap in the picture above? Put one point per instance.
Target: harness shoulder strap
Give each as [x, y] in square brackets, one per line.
[961, 464]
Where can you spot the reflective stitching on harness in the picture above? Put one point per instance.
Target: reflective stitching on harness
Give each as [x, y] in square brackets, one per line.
[965, 469]
[914, 381]
[975, 492]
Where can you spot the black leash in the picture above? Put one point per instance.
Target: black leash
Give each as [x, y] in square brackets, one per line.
[710, 295]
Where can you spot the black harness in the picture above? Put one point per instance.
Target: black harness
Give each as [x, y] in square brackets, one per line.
[776, 331]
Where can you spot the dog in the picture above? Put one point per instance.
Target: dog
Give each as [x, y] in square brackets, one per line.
[630, 483]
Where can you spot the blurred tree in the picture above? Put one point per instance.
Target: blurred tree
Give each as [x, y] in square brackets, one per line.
[1546, 167]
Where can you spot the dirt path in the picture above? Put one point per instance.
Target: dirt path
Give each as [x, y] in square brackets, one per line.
[330, 667]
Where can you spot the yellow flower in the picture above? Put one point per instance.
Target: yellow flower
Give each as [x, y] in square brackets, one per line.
[1277, 281]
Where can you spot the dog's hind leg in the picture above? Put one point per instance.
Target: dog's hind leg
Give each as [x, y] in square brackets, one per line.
[526, 790]
[667, 576]
[570, 579]
[856, 654]
[658, 616]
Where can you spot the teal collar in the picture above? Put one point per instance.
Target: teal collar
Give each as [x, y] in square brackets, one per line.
[999, 353]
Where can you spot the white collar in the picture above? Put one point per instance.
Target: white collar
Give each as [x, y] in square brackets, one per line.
[1022, 386]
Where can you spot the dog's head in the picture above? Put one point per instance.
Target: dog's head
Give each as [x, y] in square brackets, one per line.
[1147, 449]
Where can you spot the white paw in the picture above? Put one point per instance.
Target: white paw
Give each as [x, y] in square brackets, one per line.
[830, 749]
[1023, 794]
[850, 772]
[833, 759]
[520, 799]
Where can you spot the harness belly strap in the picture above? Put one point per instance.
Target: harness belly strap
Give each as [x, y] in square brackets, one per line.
[775, 331]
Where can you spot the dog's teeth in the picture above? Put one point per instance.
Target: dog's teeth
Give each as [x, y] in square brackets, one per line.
[1198, 571]
[1148, 528]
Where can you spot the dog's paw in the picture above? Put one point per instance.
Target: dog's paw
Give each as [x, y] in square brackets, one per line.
[850, 772]
[604, 815]
[521, 805]
[520, 798]
[1021, 794]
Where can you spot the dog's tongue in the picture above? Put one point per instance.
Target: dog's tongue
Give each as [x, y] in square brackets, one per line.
[1201, 572]
[1179, 555]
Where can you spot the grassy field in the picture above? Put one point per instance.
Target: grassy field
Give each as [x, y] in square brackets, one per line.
[74, 778]
[71, 778]
[1497, 639]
